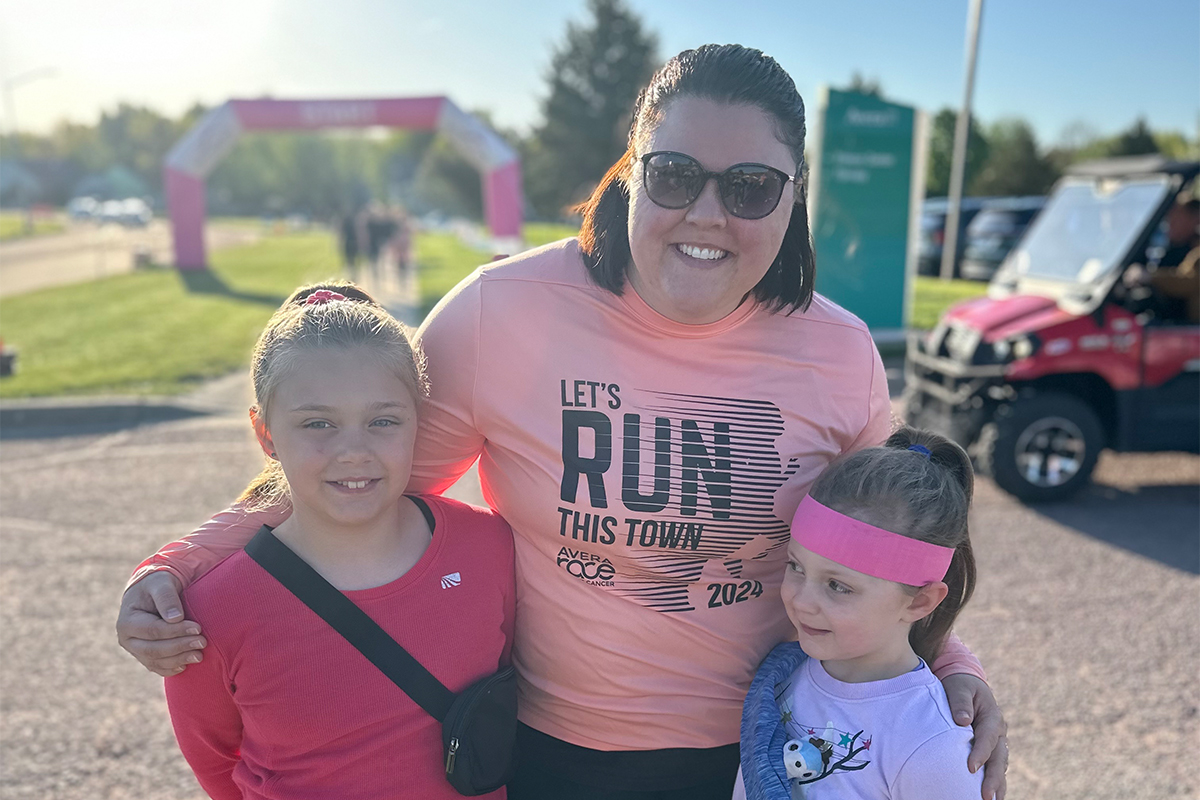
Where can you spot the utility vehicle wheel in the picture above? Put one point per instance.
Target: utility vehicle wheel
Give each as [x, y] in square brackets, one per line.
[1042, 447]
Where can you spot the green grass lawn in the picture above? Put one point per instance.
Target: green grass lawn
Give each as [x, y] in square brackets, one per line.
[932, 296]
[159, 331]
[443, 259]
[12, 226]
[540, 233]
[163, 332]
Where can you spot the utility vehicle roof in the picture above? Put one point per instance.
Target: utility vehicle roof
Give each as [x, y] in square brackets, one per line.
[1130, 166]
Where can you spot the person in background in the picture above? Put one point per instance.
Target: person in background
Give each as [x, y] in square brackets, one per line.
[648, 403]
[1177, 275]
[348, 242]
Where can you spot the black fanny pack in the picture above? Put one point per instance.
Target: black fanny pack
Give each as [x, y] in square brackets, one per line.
[479, 725]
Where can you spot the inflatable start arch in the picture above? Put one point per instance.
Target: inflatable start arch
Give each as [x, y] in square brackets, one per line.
[203, 147]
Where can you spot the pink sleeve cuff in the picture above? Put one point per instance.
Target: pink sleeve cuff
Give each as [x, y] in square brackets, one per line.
[210, 544]
[956, 659]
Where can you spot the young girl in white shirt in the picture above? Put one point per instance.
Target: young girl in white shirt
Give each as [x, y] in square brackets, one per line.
[879, 565]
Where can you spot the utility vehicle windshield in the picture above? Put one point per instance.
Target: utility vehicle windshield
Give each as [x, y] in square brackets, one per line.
[1086, 227]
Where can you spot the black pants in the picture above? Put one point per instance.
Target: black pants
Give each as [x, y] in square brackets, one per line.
[550, 769]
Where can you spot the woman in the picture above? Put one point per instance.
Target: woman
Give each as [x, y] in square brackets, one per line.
[649, 403]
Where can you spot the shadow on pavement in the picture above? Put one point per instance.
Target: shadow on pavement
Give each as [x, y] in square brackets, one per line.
[205, 281]
[1158, 522]
[47, 422]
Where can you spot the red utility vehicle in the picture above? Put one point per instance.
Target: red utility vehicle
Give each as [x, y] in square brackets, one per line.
[1062, 358]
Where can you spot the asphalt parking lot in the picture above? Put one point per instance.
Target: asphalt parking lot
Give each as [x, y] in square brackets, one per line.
[1086, 615]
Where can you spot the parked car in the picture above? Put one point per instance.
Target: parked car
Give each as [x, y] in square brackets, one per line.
[83, 208]
[933, 232]
[131, 212]
[109, 212]
[993, 233]
[135, 212]
[1061, 360]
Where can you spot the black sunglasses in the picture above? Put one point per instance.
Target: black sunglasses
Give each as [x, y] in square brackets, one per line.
[749, 191]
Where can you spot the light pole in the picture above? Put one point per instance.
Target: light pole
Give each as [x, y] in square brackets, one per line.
[961, 131]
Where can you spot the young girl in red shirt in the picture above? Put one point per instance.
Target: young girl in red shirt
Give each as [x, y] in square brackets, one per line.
[281, 705]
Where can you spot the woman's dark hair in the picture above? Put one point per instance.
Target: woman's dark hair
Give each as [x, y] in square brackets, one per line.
[729, 74]
[925, 498]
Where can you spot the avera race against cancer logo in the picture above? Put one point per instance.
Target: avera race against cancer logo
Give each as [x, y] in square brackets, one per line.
[697, 477]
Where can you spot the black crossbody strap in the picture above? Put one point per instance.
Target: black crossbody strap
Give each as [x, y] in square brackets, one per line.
[351, 622]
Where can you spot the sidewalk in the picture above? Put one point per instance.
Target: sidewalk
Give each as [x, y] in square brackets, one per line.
[37, 417]
[398, 292]
[86, 252]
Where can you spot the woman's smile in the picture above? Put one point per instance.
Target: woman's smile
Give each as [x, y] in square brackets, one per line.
[701, 253]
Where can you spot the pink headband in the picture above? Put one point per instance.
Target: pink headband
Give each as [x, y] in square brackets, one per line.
[867, 549]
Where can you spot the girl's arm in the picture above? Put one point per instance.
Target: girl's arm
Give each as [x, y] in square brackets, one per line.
[207, 724]
[935, 771]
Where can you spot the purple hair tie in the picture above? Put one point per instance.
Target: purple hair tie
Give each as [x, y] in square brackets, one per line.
[920, 448]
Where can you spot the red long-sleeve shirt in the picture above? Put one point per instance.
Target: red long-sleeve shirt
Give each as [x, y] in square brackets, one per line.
[283, 707]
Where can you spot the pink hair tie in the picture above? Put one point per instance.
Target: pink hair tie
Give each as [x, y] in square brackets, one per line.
[867, 549]
[322, 296]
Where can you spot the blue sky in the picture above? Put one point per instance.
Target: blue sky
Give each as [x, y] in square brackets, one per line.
[1098, 64]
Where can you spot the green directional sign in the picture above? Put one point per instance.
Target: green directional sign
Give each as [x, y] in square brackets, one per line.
[864, 206]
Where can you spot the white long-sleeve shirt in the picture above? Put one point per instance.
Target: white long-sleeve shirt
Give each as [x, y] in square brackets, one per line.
[882, 740]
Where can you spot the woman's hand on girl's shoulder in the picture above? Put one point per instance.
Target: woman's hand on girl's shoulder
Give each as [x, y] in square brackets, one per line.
[151, 626]
[972, 703]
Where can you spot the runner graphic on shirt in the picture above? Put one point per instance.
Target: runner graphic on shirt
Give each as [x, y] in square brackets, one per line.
[698, 476]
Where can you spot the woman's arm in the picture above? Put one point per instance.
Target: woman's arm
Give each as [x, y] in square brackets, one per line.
[510, 598]
[957, 659]
[449, 440]
[151, 624]
[210, 544]
[878, 425]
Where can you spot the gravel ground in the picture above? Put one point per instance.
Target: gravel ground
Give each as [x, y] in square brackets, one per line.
[1086, 616]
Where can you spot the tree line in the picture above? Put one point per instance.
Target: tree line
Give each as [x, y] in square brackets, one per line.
[1005, 158]
[594, 75]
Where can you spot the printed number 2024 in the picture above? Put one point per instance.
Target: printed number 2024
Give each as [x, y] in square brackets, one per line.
[726, 594]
